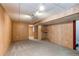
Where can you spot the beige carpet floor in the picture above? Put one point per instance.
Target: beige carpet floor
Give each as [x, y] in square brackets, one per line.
[38, 48]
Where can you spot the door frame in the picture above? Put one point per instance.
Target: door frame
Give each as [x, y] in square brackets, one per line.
[74, 34]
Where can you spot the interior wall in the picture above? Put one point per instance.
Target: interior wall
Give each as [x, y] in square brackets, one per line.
[31, 32]
[39, 32]
[5, 31]
[61, 34]
[44, 32]
[20, 31]
[35, 32]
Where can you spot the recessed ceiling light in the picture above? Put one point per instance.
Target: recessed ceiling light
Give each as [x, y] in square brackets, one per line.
[41, 7]
[39, 13]
[25, 16]
[21, 16]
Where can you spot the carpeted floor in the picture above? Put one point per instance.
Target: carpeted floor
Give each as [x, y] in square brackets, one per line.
[38, 48]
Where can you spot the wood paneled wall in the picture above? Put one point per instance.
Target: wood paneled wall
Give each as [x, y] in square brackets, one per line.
[31, 32]
[39, 32]
[44, 32]
[20, 31]
[61, 34]
[5, 31]
[35, 32]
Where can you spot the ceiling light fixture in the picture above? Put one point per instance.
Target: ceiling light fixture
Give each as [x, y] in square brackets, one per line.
[25, 17]
[40, 10]
[39, 13]
[41, 7]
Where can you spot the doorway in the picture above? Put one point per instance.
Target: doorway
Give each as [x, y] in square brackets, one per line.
[77, 35]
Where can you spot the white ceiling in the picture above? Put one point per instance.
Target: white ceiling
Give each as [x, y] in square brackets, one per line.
[26, 11]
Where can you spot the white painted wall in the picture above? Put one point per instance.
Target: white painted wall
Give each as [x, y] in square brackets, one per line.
[77, 31]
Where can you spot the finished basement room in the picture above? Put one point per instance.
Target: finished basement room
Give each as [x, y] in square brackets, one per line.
[39, 29]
